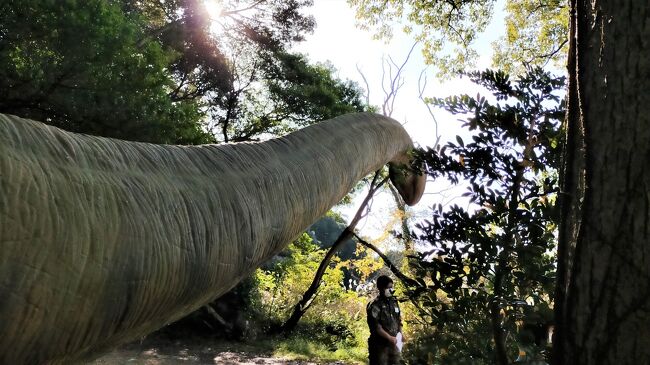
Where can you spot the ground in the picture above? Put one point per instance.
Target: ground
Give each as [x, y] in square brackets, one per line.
[159, 350]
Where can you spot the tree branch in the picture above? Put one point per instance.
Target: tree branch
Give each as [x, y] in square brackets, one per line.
[407, 281]
[421, 87]
[250, 7]
[395, 82]
[308, 298]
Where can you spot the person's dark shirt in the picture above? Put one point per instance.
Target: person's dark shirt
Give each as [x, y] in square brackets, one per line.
[385, 312]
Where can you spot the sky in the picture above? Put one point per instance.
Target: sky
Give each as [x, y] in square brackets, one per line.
[339, 41]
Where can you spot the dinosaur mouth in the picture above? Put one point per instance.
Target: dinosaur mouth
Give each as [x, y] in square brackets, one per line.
[409, 183]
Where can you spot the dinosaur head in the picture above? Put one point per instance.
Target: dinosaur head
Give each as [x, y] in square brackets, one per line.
[408, 181]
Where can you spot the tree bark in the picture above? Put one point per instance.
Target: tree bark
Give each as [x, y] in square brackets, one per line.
[571, 191]
[310, 294]
[407, 281]
[603, 306]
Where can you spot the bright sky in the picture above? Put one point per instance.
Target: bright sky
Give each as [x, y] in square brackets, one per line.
[337, 40]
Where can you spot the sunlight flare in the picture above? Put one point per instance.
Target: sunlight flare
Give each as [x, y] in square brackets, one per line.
[214, 8]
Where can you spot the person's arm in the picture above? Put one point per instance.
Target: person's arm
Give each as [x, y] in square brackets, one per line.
[386, 335]
[400, 321]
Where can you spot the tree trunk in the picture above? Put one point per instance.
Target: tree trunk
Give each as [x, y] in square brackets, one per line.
[603, 302]
[310, 294]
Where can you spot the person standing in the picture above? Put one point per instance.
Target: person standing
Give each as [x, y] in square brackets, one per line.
[385, 323]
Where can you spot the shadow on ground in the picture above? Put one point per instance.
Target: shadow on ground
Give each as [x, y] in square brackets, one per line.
[159, 350]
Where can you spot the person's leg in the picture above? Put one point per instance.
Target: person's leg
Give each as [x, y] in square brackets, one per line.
[393, 356]
[373, 353]
[382, 355]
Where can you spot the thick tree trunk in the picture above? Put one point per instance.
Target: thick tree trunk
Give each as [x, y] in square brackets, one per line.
[572, 192]
[603, 306]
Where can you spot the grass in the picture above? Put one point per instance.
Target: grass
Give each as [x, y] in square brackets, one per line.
[298, 348]
[309, 342]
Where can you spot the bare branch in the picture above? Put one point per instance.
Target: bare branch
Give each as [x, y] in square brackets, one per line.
[407, 281]
[236, 11]
[395, 81]
[554, 52]
[422, 84]
[365, 82]
[309, 295]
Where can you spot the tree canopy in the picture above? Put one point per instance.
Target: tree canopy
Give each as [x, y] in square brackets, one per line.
[536, 31]
[486, 271]
[166, 72]
[83, 66]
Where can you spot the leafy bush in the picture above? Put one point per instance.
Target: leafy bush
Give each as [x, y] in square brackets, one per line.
[334, 312]
[486, 271]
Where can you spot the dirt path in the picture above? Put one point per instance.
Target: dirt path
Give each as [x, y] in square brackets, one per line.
[157, 351]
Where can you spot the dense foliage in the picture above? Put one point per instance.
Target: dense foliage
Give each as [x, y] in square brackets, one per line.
[486, 270]
[83, 66]
[537, 34]
[282, 285]
[165, 71]
[236, 61]
[536, 31]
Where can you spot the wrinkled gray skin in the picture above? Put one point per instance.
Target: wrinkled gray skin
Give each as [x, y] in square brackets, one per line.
[103, 241]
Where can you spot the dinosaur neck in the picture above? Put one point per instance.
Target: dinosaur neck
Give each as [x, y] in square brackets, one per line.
[127, 237]
[290, 182]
